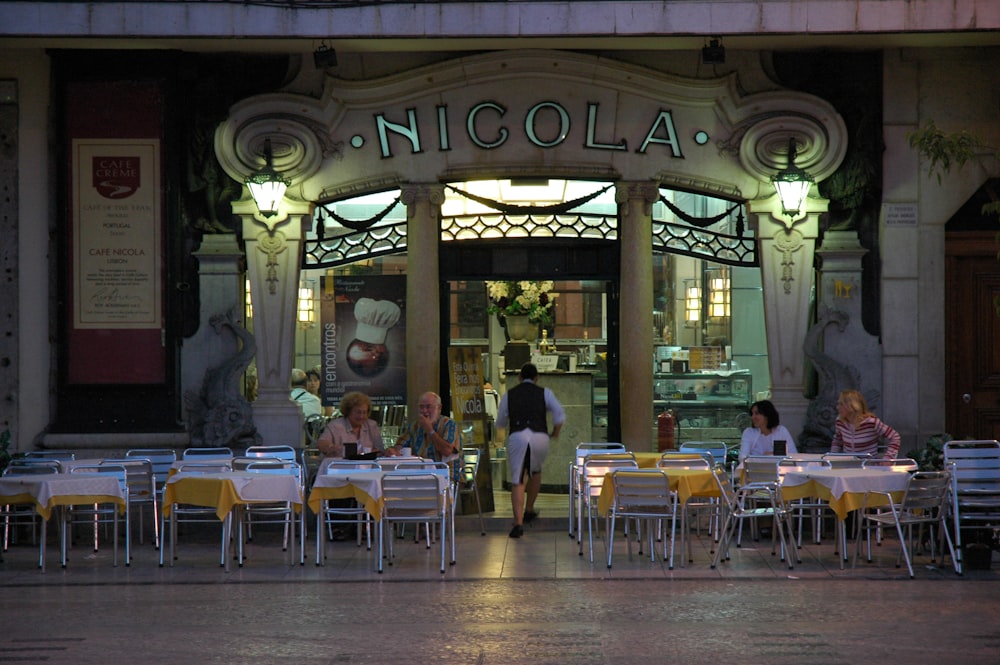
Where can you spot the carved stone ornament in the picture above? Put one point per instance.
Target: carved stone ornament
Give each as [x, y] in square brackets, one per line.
[218, 414]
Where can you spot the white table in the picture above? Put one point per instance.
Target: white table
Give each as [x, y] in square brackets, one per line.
[47, 491]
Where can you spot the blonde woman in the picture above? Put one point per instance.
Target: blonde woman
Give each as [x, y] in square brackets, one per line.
[858, 431]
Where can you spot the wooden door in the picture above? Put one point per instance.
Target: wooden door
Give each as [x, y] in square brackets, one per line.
[972, 334]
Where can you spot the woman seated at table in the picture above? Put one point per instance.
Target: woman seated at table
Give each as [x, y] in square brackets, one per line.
[858, 431]
[353, 427]
[767, 428]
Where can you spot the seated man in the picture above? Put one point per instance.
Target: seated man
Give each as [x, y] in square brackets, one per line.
[433, 436]
[308, 402]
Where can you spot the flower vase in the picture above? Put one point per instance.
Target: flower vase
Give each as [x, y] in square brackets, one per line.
[520, 328]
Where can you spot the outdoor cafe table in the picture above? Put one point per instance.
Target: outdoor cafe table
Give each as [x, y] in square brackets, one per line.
[362, 485]
[227, 490]
[46, 491]
[844, 489]
[687, 483]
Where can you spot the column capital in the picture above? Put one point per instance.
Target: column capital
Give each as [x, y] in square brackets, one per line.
[414, 193]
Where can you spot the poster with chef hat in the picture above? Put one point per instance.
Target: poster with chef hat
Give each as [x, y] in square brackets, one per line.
[364, 337]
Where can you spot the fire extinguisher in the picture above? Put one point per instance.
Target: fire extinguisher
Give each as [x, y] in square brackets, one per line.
[665, 431]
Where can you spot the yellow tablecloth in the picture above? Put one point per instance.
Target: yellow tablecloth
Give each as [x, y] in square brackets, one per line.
[47, 491]
[223, 491]
[649, 460]
[686, 482]
[844, 489]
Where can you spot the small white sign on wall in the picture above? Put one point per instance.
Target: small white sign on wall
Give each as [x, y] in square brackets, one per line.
[899, 214]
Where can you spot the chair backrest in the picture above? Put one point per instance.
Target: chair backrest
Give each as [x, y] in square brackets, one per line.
[470, 466]
[642, 491]
[686, 460]
[845, 460]
[313, 427]
[762, 469]
[139, 476]
[927, 491]
[793, 464]
[31, 467]
[286, 453]
[206, 466]
[597, 466]
[275, 466]
[975, 464]
[901, 464]
[418, 466]
[346, 465]
[59, 455]
[718, 450]
[161, 459]
[207, 453]
[585, 450]
[411, 495]
[118, 470]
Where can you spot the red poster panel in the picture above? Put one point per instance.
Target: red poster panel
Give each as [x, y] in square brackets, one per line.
[364, 337]
[115, 274]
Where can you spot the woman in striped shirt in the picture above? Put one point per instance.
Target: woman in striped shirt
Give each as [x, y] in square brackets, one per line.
[858, 431]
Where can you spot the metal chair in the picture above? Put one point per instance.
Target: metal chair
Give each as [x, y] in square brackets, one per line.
[345, 512]
[141, 482]
[416, 498]
[57, 455]
[802, 508]
[673, 461]
[467, 483]
[718, 450]
[591, 479]
[204, 454]
[975, 472]
[924, 503]
[101, 513]
[21, 514]
[583, 451]
[273, 513]
[643, 495]
[182, 513]
[738, 507]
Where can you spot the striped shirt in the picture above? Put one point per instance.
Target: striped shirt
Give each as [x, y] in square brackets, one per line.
[864, 437]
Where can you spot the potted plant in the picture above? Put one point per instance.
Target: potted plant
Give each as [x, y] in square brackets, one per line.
[931, 456]
[533, 300]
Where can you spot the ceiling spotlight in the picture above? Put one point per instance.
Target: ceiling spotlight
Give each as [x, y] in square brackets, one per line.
[324, 57]
[714, 53]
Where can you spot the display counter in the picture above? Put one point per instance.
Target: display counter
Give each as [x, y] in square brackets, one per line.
[704, 400]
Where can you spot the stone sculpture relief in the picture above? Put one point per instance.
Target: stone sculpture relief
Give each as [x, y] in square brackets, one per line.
[834, 376]
[218, 415]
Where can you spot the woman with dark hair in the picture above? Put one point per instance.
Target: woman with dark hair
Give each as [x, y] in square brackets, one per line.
[767, 428]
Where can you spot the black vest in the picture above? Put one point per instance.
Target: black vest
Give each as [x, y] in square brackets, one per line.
[526, 407]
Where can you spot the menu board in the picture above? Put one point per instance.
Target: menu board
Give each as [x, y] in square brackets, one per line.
[704, 357]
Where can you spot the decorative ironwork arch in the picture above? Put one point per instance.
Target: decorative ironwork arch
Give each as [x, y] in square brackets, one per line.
[367, 238]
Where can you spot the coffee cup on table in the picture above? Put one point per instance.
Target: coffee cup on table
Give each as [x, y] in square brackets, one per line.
[406, 452]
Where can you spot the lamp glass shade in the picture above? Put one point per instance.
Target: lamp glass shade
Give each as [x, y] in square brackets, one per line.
[267, 189]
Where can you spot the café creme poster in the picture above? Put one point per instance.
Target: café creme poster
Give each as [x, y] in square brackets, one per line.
[117, 239]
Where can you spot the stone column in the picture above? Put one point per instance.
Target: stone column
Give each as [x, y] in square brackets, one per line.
[220, 280]
[274, 253]
[635, 351]
[786, 251]
[423, 303]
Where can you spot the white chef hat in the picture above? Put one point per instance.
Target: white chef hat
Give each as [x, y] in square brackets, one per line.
[375, 317]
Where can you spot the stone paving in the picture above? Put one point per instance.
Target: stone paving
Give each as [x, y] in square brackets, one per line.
[505, 601]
